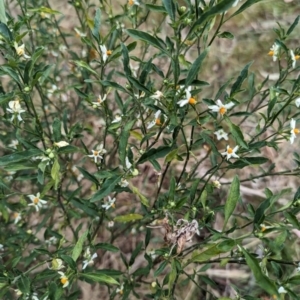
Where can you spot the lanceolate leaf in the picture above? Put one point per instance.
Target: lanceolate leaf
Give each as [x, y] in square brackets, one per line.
[101, 278]
[233, 197]
[124, 139]
[79, 245]
[243, 7]
[262, 280]
[96, 28]
[19, 156]
[216, 9]
[192, 74]
[128, 218]
[243, 75]
[2, 13]
[147, 38]
[170, 8]
[155, 153]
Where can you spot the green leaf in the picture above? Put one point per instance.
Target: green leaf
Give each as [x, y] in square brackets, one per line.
[233, 197]
[170, 8]
[107, 247]
[56, 127]
[106, 189]
[84, 65]
[262, 280]
[172, 276]
[143, 199]
[44, 9]
[124, 140]
[128, 218]
[243, 7]
[292, 27]
[79, 245]
[135, 253]
[160, 268]
[248, 161]
[88, 176]
[194, 70]
[19, 156]
[212, 251]
[237, 85]
[5, 32]
[55, 175]
[260, 212]
[11, 72]
[147, 38]
[101, 278]
[96, 28]
[226, 35]
[2, 13]
[155, 153]
[114, 85]
[236, 133]
[126, 65]
[157, 8]
[215, 10]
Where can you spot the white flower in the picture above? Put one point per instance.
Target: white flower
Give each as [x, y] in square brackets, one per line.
[63, 279]
[110, 203]
[17, 216]
[117, 119]
[157, 95]
[89, 259]
[282, 290]
[79, 33]
[133, 2]
[51, 241]
[235, 3]
[188, 98]
[124, 183]
[155, 121]
[231, 152]
[120, 290]
[274, 51]
[128, 163]
[21, 50]
[61, 144]
[98, 153]
[57, 264]
[294, 58]
[36, 201]
[298, 268]
[105, 53]
[15, 109]
[220, 107]
[221, 134]
[297, 102]
[216, 184]
[14, 144]
[1, 247]
[294, 131]
[99, 101]
[263, 227]
[110, 224]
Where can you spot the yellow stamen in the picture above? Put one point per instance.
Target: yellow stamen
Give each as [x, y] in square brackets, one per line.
[64, 280]
[229, 150]
[108, 52]
[271, 53]
[222, 110]
[296, 130]
[297, 57]
[36, 200]
[130, 2]
[16, 215]
[113, 205]
[96, 153]
[263, 228]
[192, 101]
[158, 122]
